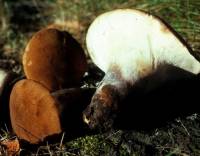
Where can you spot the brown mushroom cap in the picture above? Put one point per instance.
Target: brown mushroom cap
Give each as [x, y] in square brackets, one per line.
[33, 111]
[55, 59]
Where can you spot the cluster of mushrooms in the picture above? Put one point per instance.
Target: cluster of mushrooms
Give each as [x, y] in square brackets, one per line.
[126, 44]
[53, 60]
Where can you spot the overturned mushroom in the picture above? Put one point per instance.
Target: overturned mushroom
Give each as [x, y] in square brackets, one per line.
[128, 45]
[37, 114]
[55, 59]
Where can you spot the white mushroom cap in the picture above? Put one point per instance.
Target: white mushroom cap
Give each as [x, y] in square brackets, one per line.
[135, 40]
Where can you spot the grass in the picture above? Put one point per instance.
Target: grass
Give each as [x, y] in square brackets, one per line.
[17, 24]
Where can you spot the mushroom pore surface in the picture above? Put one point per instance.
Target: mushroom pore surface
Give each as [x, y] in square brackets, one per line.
[33, 111]
[55, 59]
[128, 45]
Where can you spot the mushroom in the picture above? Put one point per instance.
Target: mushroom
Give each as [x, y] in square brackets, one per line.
[36, 114]
[33, 111]
[55, 59]
[129, 45]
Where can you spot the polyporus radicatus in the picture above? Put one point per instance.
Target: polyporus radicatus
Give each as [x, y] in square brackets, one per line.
[128, 45]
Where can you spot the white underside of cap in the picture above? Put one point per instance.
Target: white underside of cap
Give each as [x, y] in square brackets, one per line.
[136, 42]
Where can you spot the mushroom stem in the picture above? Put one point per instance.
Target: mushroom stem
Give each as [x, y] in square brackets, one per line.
[118, 83]
[112, 89]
